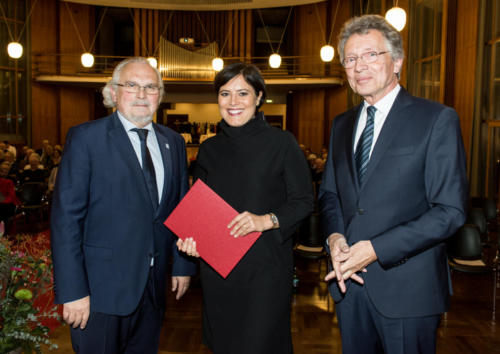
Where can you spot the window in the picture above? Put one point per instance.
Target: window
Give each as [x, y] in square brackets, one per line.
[13, 79]
[490, 95]
[425, 50]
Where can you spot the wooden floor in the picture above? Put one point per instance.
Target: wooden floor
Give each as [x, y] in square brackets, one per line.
[467, 328]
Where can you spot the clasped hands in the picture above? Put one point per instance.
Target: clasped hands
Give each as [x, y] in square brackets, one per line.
[347, 261]
[241, 225]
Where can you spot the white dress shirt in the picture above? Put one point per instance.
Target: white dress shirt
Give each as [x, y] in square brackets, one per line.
[154, 149]
[383, 107]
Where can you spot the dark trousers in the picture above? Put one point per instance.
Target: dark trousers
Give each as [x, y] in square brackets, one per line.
[364, 330]
[138, 332]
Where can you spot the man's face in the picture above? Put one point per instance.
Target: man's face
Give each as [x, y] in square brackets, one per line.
[136, 107]
[371, 80]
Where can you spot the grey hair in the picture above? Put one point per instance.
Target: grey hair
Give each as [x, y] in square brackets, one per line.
[115, 79]
[363, 25]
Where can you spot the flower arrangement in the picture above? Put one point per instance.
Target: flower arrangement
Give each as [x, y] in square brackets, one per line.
[23, 279]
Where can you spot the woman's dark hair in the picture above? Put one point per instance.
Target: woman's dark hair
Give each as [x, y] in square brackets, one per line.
[250, 73]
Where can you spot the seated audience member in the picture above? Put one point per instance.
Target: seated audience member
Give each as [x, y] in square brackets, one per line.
[46, 158]
[6, 171]
[14, 166]
[41, 151]
[324, 154]
[56, 159]
[310, 160]
[10, 148]
[8, 198]
[22, 154]
[34, 172]
[24, 162]
[318, 166]
[56, 155]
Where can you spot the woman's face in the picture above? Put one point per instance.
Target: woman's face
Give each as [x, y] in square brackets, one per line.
[237, 101]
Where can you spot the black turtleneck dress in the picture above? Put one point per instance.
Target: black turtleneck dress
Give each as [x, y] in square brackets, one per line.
[260, 169]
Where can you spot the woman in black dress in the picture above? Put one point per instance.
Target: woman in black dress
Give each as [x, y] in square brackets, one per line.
[261, 171]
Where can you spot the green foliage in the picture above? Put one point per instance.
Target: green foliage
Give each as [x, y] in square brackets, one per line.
[23, 278]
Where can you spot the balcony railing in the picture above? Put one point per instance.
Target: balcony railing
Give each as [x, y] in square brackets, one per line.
[291, 67]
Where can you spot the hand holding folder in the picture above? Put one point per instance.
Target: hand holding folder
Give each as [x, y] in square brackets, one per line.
[204, 216]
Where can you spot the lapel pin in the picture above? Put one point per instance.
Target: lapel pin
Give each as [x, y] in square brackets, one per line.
[168, 146]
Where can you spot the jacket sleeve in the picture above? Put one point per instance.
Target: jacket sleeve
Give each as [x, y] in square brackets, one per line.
[329, 204]
[300, 198]
[69, 208]
[446, 193]
[182, 265]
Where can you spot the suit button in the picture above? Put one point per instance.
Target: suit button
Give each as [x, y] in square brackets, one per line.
[361, 211]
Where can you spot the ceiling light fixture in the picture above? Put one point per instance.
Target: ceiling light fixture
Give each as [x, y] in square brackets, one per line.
[217, 64]
[396, 17]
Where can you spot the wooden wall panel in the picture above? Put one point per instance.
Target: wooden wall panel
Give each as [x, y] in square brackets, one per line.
[308, 114]
[336, 103]
[44, 34]
[309, 36]
[465, 66]
[44, 99]
[56, 108]
[45, 117]
[70, 45]
[72, 111]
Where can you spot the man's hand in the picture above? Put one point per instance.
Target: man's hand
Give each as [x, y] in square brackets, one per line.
[76, 313]
[339, 252]
[361, 255]
[181, 284]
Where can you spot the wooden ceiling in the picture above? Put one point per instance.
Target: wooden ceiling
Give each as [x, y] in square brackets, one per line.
[196, 5]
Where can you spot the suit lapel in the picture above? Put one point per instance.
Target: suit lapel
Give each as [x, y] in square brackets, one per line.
[119, 139]
[392, 125]
[166, 154]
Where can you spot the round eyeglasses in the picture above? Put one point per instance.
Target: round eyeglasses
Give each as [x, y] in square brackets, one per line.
[133, 87]
[367, 58]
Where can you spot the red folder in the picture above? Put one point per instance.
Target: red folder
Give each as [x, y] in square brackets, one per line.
[204, 216]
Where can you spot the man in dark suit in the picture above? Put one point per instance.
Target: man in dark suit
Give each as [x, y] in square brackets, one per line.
[119, 179]
[394, 188]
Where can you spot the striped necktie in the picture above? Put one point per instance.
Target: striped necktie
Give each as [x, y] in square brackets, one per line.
[362, 154]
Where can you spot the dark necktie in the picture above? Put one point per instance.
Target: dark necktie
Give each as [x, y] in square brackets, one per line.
[147, 165]
[362, 154]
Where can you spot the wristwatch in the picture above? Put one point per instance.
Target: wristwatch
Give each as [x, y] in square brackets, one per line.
[274, 219]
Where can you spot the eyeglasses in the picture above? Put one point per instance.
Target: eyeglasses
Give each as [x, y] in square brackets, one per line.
[133, 87]
[367, 58]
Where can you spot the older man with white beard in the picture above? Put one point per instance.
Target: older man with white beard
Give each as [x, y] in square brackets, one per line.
[119, 179]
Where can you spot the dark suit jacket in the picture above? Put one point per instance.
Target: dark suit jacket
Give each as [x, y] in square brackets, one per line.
[413, 198]
[104, 229]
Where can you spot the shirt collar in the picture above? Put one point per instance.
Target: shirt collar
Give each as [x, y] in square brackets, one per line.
[128, 125]
[385, 103]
